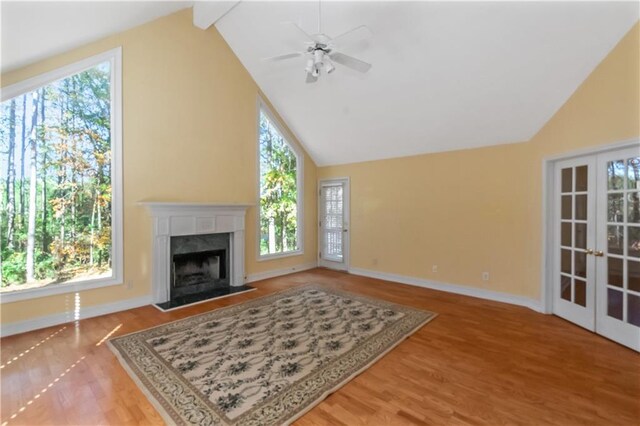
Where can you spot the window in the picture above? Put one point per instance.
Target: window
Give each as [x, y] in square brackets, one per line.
[60, 165]
[280, 204]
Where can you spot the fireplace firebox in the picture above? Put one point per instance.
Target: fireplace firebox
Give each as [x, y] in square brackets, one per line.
[199, 271]
[199, 264]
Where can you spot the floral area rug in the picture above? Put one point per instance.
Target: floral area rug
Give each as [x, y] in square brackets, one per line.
[265, 361]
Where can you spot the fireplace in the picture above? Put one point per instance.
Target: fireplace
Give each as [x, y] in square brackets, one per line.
[198, 252]
[199, 263]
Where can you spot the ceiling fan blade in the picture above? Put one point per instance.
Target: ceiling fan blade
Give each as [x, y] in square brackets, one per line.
[350, 61]
[300, 31]
[353, 35]
[282, 57]
[311, 78]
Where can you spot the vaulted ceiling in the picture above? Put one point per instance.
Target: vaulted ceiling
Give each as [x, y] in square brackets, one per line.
[35, 30]
[445, 76]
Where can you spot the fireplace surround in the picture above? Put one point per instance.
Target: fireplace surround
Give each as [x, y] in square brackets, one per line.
[206, 239]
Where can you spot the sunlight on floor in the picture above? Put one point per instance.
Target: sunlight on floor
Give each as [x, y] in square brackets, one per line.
[44, 390]
[108, 335]
[15, 358]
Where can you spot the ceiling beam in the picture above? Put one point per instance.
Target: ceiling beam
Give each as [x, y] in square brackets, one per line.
[207, 13]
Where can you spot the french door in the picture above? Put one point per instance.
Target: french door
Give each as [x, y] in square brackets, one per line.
[597, 243]
[333, 223]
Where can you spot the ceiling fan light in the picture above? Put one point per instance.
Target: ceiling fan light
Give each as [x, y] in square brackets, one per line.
[310, 67]
[315, 72]
[318, 56]
[329, 68]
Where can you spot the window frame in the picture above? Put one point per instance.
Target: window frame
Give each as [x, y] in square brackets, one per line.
[262, 107]
[114, 56]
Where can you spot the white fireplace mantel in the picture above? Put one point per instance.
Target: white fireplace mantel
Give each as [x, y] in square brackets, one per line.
[174, 219]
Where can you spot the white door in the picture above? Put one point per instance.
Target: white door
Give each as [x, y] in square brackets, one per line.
[333, 223]
[597, 243]
[575, 210]
[618, 269]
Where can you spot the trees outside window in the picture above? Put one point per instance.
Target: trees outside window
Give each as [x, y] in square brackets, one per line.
[280, 189]
[57, 165]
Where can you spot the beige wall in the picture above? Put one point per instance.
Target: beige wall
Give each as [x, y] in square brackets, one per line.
[189, 134]
[480, 210]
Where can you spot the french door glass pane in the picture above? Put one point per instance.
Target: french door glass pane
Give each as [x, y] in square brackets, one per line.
[565, 234]
[614, 303]
[581, 235]
[566, 207]
[633, 275]
[580, 259]
[581, 207]
[567, 179]
[633, 173]
[615, 171]
[633, 207]
[581, 292]
[565, 287]
[633, 309]
[615, 239]
[614, 271]
[615, 208]
[581, 178]
[633, 236]
[565, 263]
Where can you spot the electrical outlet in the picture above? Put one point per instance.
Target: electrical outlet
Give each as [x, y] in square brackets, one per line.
[129, 284]
[434, 268]
[485, 276]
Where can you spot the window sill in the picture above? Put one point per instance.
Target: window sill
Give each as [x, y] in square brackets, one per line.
[35, 293]
[274, 256]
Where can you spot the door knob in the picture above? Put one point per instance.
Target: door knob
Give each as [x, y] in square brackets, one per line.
[589, 251]
[598, 253]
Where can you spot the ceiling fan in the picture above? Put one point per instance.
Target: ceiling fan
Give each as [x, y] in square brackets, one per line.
[321, 50]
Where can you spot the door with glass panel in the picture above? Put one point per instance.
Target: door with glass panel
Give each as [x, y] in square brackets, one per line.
[618, 235]
[575, 208]
[597, 243]
[333, 223]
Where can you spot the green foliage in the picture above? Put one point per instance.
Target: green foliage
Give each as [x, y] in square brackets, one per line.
[45, 266]
[278, 191]
[73, 186]
[13, 266]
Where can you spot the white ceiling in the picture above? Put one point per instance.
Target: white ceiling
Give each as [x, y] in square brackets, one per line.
[445, 76]
[35, 30]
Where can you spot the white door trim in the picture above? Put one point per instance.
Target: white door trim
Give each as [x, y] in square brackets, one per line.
[548, 194]
[346, 206]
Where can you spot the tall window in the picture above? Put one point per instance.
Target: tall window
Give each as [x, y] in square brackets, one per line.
[280, 190]
[60, 224]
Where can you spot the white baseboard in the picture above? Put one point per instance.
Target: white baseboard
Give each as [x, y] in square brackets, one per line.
[69, 316]
[453, 288]
[279, 272]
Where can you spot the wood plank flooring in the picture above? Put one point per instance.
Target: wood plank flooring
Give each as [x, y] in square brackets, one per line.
[477, 363]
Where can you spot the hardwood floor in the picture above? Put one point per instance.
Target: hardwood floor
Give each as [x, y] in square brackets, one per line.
[477, 363]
